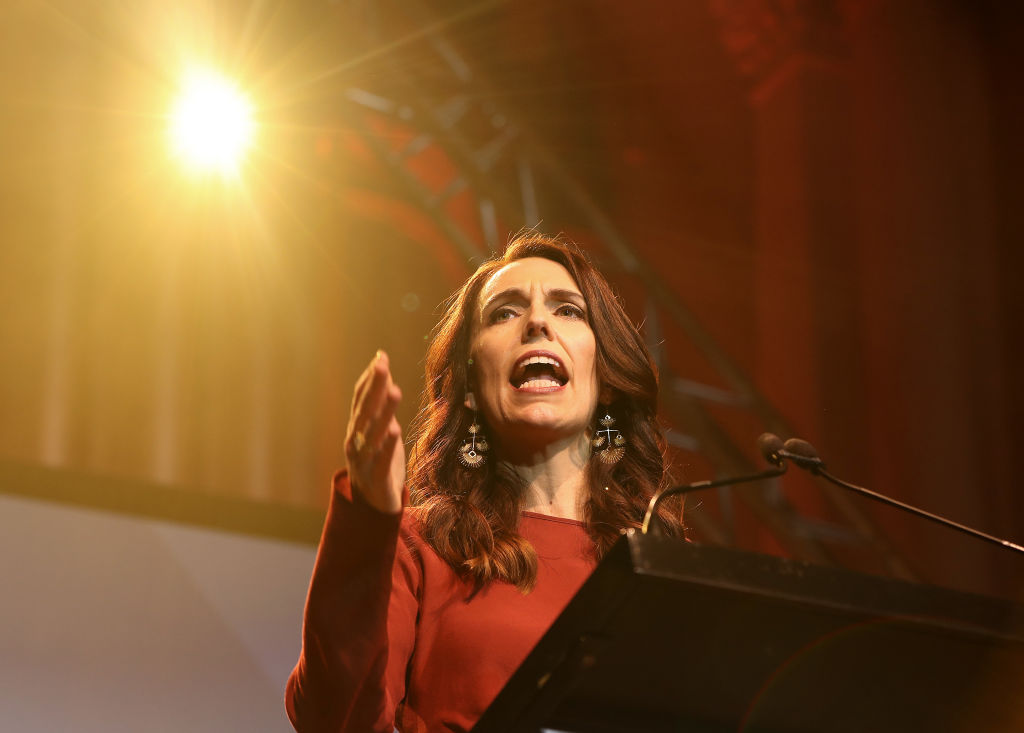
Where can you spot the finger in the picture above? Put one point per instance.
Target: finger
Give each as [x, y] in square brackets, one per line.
[372, 414]
[366, 378]
[377, 428]
[361, 382]
[372, 418]
[372, 398]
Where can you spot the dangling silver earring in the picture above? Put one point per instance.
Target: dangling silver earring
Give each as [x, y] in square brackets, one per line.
[608, 443]
[471, 453]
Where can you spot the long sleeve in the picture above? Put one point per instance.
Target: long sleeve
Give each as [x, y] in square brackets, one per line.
[359, 625]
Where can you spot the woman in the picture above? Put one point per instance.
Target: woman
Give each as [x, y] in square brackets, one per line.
[535, 445]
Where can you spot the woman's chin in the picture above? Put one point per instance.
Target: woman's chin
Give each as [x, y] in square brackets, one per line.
[539, 424]
[539, 416]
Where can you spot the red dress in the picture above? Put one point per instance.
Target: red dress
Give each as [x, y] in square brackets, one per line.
[390, 636]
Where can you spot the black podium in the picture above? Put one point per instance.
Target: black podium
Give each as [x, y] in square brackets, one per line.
[666, 636]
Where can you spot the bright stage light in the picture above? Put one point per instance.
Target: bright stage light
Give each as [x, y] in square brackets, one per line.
[211, 124]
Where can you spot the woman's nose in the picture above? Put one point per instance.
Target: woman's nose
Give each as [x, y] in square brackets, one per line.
[537, 324]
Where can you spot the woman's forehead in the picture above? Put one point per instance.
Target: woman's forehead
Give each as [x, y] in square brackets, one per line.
[526, 273]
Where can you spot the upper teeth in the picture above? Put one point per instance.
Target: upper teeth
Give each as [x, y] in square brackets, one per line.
[539, 360]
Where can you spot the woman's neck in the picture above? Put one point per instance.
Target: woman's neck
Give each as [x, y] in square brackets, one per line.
[554, 476]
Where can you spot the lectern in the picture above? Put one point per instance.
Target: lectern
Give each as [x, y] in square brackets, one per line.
[666, 636]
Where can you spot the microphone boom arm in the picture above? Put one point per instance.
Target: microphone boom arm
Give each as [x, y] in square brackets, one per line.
[699, 485]
[804, 455]
[819, 470]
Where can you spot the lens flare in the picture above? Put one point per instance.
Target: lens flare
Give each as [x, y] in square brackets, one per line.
[211, 124]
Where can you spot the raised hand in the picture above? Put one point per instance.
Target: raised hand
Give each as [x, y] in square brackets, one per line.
[373, 439]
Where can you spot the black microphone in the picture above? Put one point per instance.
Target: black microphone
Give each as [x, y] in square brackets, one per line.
[769, 444]
[806, 457]
[801, 453]
[798, 451]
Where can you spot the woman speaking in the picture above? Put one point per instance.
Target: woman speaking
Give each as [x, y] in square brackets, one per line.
[536, 443]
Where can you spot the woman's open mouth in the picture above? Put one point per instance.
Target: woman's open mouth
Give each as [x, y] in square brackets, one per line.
[538, 373]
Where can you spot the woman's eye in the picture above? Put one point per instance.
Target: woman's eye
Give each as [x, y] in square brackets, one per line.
[569, 310]
[502, 314]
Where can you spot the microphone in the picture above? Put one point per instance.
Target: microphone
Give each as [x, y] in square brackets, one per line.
[804, 455]
[771, 447]
[798, 451]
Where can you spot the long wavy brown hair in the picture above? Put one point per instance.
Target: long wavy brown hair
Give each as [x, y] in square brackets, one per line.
[471, 516]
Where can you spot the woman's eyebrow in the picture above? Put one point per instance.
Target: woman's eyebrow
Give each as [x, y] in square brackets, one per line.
[520, 294]
[564, 294]
[505, 294]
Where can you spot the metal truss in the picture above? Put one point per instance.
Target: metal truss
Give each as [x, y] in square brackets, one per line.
[505, 168]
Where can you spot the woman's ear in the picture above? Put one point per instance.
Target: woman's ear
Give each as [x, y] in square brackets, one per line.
[606, 395]
[470, 401]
